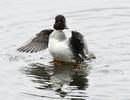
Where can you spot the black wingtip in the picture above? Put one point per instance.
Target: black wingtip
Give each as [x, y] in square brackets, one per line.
[77, 34]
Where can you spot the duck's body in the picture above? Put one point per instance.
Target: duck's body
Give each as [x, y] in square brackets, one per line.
[73, 49]
[59, 47]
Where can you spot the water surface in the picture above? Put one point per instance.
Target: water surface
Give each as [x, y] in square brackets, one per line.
[106, 27]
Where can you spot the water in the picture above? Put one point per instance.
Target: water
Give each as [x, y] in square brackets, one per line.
[106, 27]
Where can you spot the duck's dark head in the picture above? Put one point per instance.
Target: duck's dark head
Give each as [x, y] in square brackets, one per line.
[60, 23]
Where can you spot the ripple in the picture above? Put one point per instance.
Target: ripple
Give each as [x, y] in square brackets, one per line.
[98, 9]
[60, 78]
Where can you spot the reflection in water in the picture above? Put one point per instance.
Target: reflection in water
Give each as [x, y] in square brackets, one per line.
[64, 79]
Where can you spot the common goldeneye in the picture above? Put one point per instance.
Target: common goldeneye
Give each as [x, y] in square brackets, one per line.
[73, 49]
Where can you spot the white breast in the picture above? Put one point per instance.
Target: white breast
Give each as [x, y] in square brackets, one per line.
[60, 50]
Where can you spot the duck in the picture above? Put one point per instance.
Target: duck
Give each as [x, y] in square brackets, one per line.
[61, 48]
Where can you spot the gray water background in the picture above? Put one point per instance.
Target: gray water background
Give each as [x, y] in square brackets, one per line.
[106, 27]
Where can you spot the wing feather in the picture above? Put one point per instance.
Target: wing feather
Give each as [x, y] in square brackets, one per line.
[77, 46]
[40, 42]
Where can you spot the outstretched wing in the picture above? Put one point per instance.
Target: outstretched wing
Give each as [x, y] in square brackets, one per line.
[78, 46]
[40, 42]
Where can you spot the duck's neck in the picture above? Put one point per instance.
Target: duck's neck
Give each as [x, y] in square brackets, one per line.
[58, 35]
[59, 31]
